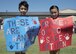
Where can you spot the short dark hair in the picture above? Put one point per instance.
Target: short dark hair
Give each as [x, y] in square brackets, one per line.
[54, 6]
[24, 3]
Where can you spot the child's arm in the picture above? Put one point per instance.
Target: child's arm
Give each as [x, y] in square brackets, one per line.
[1, 21]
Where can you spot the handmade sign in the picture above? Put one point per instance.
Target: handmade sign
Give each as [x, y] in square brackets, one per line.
[20, 32]
[55, 33]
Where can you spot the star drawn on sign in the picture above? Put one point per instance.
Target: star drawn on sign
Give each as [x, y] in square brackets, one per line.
[14, 39]
[42, 40]
[67, 36]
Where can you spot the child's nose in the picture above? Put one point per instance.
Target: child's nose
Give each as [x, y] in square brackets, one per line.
[54, 14]
[23, 10]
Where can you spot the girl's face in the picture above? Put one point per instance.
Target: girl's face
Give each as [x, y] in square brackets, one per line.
[54, 13]
[23, 10]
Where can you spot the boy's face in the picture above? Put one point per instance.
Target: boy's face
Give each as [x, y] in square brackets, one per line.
[23, 10]
[54, 13]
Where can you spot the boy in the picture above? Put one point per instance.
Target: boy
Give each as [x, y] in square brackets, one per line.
[23, 8]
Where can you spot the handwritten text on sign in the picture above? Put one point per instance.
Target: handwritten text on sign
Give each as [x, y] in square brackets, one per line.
[18, 31]
[55, 34]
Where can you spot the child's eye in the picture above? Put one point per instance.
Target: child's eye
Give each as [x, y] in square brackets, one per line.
[23, 9]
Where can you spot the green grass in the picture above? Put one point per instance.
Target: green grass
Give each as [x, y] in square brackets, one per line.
[71, 49]
[34, 49]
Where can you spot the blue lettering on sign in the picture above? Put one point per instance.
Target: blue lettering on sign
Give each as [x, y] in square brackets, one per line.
[19, 22]
[21, 37]
[20, 32]
[11, 23]
[17, 45]
[13, 30]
